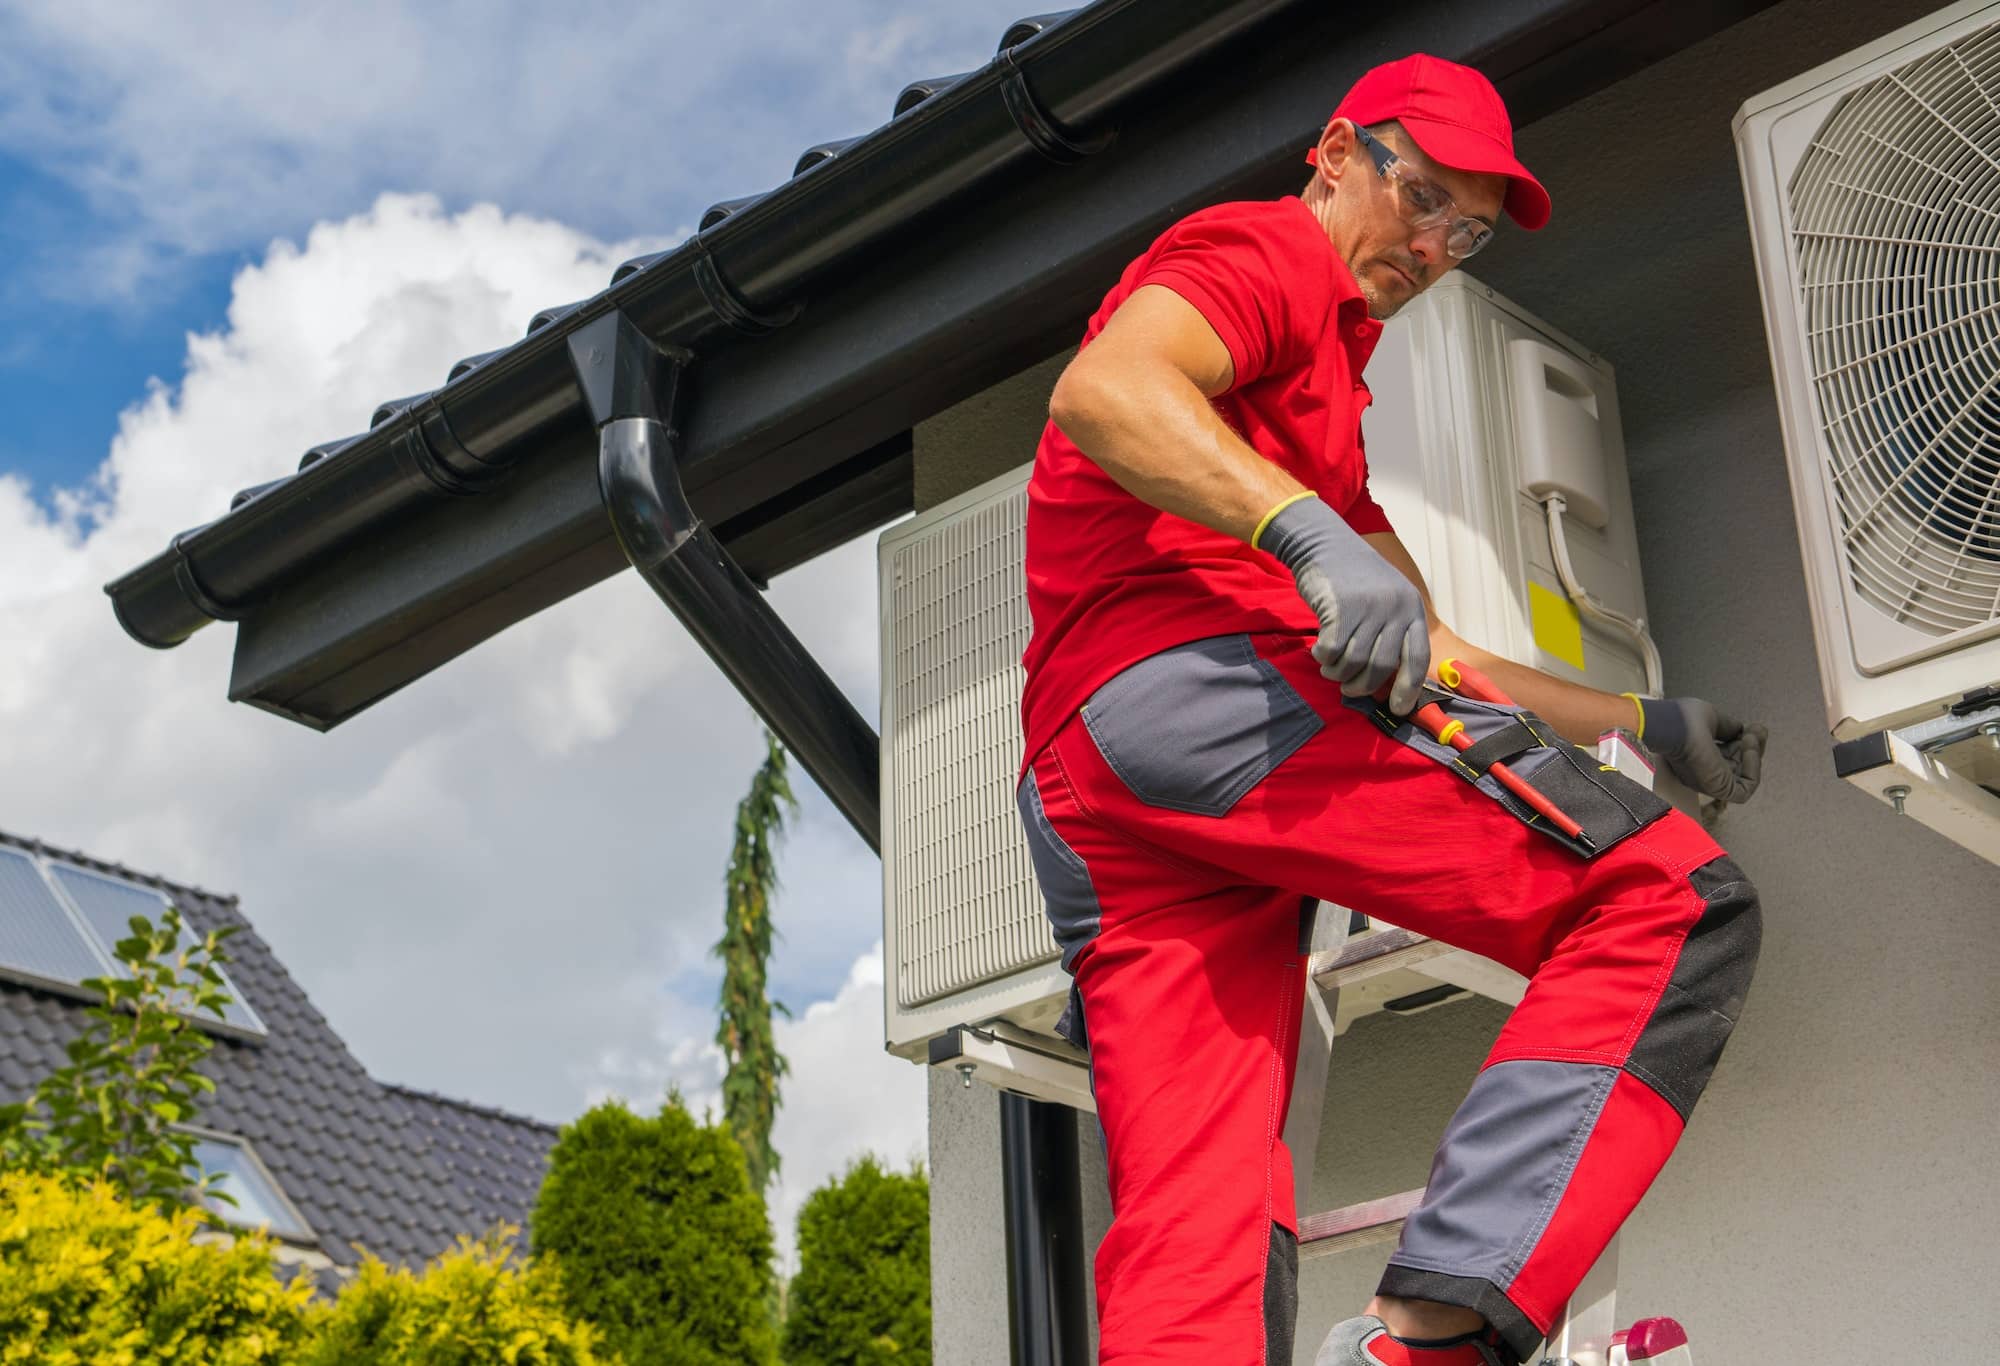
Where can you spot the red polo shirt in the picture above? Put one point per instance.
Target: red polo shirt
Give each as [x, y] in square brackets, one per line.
[1111, 579]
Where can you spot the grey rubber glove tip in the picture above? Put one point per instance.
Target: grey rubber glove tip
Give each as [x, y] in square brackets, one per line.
[1708, 749]
[1372, 629]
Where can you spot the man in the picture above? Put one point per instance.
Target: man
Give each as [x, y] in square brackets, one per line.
[1218, 606]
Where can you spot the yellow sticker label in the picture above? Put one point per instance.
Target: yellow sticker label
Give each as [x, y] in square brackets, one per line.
[1557, 627]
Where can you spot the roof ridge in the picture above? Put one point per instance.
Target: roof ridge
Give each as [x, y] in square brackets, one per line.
[490, 1111]
[83, 860]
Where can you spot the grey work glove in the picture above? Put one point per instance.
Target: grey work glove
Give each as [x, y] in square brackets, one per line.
[1371, 619]
[1709, 750]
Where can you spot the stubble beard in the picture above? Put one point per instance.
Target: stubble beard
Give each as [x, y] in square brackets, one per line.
[1380, 307]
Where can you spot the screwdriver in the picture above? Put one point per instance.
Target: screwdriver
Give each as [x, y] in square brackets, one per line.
[1463, 678]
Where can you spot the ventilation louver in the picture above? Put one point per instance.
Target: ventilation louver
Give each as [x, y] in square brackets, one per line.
[1896, 229]
[960, 890]
[1873, 189]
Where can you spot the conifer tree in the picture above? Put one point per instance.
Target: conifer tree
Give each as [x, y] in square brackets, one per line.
[754, 1065]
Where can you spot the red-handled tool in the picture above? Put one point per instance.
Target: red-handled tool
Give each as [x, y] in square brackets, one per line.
[1463, 678]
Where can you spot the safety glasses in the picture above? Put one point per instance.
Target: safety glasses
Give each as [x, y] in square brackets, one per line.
[1423, 204]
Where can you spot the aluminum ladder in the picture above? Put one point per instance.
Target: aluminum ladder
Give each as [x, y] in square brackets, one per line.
[1587, 1334]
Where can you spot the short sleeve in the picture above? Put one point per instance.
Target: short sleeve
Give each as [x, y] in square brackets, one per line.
[1261, 284]
[1364, 515]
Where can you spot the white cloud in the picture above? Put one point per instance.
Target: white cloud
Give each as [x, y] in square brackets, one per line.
[502, 883]
[623, 118]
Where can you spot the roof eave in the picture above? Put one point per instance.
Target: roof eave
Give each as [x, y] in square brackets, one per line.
[371, 568]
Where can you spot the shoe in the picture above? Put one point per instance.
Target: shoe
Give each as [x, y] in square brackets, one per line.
[1347, 1344]
[1343, 1346]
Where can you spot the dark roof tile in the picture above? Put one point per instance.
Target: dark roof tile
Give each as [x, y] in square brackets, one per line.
[727, 208]
[365, 1162]
[820, 153]
[916, 92]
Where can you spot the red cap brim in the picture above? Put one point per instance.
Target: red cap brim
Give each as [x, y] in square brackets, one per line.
[1462, 149]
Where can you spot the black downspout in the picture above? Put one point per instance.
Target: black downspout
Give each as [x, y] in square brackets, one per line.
[631, 385]
[1043, 1194]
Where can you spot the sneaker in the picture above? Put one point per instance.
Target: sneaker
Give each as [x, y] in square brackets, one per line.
[1348, 1345]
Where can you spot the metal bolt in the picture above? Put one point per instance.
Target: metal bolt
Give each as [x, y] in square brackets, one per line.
[1991, 730]
[965, 1070]
[1895, 795]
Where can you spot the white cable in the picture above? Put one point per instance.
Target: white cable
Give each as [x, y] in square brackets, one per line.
[1590, 606]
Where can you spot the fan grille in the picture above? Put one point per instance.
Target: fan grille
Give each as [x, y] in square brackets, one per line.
[1896, 213]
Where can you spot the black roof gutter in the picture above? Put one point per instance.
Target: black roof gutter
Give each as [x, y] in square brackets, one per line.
[744, 274]
[940, 253]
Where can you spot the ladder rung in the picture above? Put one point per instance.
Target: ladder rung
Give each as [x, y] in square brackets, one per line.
[1352, 1226]
[1386, 950]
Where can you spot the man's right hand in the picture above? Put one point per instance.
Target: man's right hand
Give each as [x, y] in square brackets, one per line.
[1372, 627]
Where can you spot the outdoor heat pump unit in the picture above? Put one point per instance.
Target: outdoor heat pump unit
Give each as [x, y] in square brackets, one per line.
[1873, 189]
[1493, 445]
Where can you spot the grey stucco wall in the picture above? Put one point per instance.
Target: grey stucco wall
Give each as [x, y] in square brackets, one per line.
[968, 1240]
[985, 436]
[1834, 1186]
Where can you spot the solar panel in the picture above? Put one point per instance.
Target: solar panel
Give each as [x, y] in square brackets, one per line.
[37, 936]
[108, 906]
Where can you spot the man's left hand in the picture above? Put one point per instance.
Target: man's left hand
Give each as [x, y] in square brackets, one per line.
[1708, 749]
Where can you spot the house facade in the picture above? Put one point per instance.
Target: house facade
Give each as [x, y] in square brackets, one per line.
[880, 334]
[332, 1161]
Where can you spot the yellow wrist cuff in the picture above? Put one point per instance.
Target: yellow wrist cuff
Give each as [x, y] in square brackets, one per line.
[1639, 707]
[1264, 525]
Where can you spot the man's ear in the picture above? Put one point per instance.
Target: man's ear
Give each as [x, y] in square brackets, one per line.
[1336, 142]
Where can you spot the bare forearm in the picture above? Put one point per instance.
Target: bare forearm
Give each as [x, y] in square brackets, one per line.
[1155, 434]
[1578, 713]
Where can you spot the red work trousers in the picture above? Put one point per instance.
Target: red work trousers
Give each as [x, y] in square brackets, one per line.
[1181, 825]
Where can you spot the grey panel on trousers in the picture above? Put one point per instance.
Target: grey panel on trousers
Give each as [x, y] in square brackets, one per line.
[1067, 892]
[1195, 727]
[1504, 1162]
[108, 906]
[37, 936]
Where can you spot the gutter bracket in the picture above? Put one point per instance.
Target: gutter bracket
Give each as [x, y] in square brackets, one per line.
[1044, 132]
[632, 388]
[429, 448]
[737, 312]
[191, 586]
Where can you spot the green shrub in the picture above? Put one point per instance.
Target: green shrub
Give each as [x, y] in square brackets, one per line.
[662, 1243]
[474, 1306]
[863, 1292]
[89, 1279]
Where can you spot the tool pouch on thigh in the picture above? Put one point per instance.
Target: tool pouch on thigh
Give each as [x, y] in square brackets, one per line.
[1607, 804]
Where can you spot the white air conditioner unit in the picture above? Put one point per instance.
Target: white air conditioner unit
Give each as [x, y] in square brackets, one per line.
[1479, 411]
[1873, 189]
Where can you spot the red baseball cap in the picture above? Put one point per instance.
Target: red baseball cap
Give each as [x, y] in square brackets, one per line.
[1456, 116]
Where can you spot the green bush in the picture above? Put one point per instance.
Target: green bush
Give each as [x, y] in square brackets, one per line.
[88, 1279]
[863, 1292]
[111, 1113]
[662, 1243]
[474, 1306]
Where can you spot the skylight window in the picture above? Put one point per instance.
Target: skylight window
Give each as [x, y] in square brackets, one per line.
[260, 1201]
[39, 941]
[59, 925]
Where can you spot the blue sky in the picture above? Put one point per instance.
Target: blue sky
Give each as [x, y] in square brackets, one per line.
[137, 174]
[66, 366]
[499, 884]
